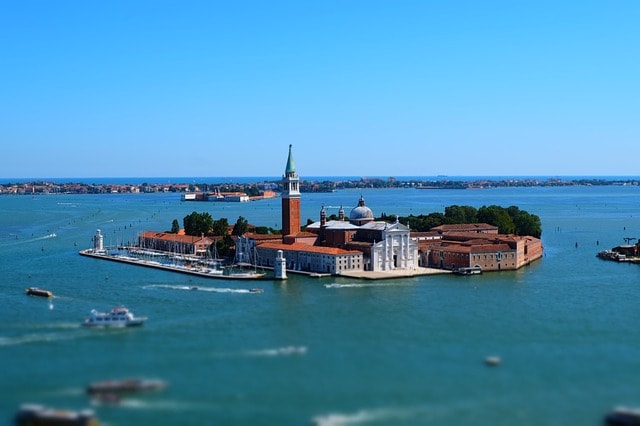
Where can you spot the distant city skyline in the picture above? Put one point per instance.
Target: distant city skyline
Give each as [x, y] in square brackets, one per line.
[408, 88]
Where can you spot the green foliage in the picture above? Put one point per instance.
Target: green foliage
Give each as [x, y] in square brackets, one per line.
[175, 226]
[221, 227]
[225, 246]
[197, 224]
[461, 214]
[526, 223]
[262, 230]
[422, 222]
[497, 216]
[509, 220]
[241, 226]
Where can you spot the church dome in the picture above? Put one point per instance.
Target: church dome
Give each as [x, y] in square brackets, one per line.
[361, 214]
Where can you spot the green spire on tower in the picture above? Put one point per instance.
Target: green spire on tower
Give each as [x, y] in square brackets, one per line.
[291, 167]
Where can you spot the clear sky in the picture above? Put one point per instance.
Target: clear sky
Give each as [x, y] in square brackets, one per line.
[364, 88]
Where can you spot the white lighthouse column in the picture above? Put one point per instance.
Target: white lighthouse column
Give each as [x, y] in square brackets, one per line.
[280, 266]
[98, 241]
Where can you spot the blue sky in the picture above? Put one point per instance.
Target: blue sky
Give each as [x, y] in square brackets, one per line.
[363, 88]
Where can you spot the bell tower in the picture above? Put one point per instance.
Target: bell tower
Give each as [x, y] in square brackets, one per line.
[290, 199]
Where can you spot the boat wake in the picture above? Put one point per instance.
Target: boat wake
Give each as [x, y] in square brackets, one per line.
[385, 415]
[198, 288]
[284, 351]
[155, 405]
[31, 240]
[38, 338]
[46, 237]
[359, 285]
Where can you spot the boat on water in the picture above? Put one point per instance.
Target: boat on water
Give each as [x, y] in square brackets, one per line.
[244, 274]
[117, 317]
[120, 386]
[37, 415]
[469, 270]
[623, 416]
[35, 291]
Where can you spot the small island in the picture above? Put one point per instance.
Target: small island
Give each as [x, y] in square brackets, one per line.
[358, 245]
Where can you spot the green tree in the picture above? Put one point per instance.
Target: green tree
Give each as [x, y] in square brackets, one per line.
[197, 224]
[461, 214]
[175, 226]
[525, 223]
[262, 230]
[225, 246]
[241, 226]
[221, 227]
[497, 216]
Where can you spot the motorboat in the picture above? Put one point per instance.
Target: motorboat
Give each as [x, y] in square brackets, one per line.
[256, 290]
[117, 317]
[120, 386]
[33, 414]
[35, 291]
[623, 416]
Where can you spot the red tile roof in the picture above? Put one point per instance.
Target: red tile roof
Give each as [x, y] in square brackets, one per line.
[166, 236]
[307, 248]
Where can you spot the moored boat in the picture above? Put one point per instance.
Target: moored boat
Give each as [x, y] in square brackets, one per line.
[471, 270]
[117, 317]
[35, 291]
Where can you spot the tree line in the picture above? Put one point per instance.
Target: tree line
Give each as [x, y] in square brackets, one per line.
[509, 220]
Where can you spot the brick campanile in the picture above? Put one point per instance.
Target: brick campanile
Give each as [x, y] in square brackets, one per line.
[290, 199]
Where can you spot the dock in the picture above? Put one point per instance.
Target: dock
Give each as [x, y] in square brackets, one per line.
[201, 271]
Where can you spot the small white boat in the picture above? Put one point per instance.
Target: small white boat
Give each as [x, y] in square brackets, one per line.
[117, 317]
[493, 361]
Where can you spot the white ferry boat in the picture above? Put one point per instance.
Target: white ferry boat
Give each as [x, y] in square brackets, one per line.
[118, 317]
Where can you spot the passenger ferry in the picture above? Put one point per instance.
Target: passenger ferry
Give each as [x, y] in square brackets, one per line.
[118, 317]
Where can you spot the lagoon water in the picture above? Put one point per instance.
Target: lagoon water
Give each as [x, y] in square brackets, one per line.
[331, 351]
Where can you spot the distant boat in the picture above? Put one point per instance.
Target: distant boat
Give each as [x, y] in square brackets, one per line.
[35, 291]
[118, 317]
[493, 361]
[115, 387]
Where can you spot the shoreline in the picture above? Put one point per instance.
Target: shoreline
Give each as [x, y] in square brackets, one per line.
[311, 185]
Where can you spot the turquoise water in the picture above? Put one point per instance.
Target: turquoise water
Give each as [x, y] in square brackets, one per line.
[331, 350]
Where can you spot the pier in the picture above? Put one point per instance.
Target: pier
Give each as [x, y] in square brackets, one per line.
[201, 270]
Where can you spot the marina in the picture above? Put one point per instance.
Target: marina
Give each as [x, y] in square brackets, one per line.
[197, 267]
